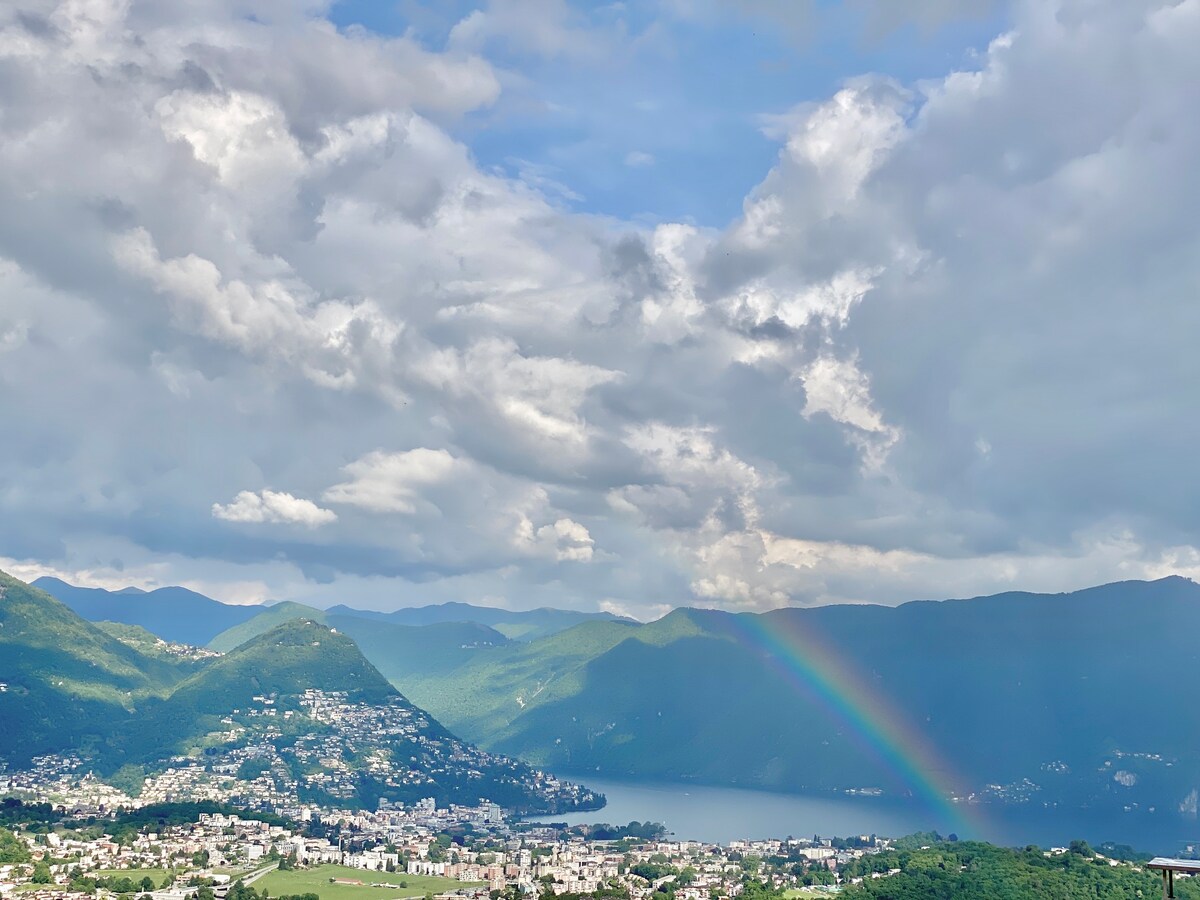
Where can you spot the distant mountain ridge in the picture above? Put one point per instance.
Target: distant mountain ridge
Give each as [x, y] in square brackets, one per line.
[520, 625]
[396, 650]
[185, 616]
[173, 613]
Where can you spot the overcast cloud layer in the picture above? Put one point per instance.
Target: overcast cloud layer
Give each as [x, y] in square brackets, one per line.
[268, 330]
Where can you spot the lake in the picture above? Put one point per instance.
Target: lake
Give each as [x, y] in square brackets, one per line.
[722, 814]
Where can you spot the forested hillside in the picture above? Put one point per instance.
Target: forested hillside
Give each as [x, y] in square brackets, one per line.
[782, 699]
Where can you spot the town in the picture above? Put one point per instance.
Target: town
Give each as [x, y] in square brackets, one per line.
[325, 750]
[419, 850]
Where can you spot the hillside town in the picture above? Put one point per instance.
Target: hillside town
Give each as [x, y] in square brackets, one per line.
[323, 750]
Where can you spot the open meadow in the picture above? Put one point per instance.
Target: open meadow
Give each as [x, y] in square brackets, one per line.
[316, 881]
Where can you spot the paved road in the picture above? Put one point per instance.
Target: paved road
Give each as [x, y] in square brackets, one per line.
[250, 879]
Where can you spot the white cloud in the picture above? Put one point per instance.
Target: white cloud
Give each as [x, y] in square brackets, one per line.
[564, 539]
[639, 159]
[837, 388]
[273, 506]
[392, 482]
[540, 395]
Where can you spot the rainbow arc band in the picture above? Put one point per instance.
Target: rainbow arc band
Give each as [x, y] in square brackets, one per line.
[808, 663]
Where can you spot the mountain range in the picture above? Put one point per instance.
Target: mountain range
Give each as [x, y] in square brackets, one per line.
[182, 615]
[295, 713]
[1077, 699]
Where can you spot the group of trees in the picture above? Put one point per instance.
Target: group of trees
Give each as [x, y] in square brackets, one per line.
[17, 812]
[118, 884]
[12, 849]
[241, 891]
[978, 871]
[639, 831]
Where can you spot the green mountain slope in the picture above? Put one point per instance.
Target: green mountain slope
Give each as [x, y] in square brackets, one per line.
[497, 688]
[68, 684]
[814, 699]
[285, 662]
[315, 720]
[401, 651]
[181, 657]
[292, 715]
[262, 622]
[398, 651]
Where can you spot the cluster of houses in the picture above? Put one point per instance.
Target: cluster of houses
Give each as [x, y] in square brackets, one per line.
[273, 759]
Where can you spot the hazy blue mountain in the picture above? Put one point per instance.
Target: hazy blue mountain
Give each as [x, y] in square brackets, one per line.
[523, 625]
[1087, 695]
[173, 613]
[396, 650]
[184, 616]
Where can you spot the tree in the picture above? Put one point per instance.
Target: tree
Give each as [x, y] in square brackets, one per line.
[41, 873]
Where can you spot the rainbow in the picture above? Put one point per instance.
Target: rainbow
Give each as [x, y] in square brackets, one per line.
[809, 664]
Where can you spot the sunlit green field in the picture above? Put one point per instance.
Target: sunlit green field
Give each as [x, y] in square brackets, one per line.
[316, 881]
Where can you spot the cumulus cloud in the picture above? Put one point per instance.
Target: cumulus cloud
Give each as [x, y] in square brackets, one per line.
[563, 539]
[945, 347]
[391, 482]
[273, 506]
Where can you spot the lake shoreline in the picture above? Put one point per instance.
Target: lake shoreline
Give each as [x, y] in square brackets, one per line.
[719, 814]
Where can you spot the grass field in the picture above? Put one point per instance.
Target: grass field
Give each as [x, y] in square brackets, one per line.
[316, 881]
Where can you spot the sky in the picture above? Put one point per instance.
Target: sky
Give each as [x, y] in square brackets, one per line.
[615, 306]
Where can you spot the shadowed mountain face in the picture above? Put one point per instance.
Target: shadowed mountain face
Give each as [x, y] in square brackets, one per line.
[1085, 695]
[173, 613]
[299, 704]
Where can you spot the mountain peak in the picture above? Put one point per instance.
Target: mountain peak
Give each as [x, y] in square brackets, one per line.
[291, 658]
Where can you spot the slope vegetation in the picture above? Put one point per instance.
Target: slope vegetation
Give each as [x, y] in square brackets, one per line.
[68, 684]
[398, 651]
[834, 697]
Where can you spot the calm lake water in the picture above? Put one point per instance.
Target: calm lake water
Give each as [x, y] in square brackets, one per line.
[720, 814]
